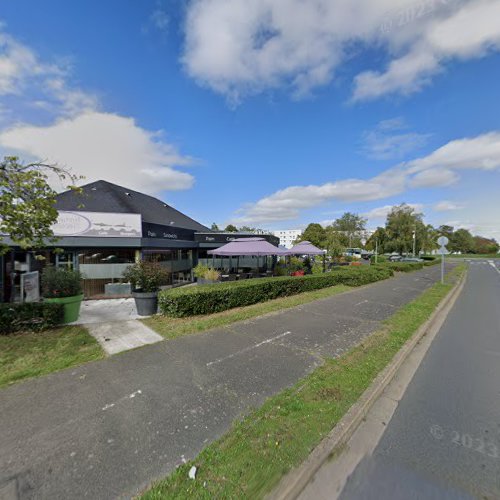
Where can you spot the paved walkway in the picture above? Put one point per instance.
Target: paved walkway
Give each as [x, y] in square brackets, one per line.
[108, 429]
[122, 336]
[114, 324]
[106, 311]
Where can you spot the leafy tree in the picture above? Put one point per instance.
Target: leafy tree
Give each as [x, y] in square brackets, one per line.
[485, 246]
[377, 241]
[402, 222]
[333, 245]
[231, 229]
[427, 238]
[351, 228]
[462, 241]
[315, 233]
[214, 227]
[27, 202]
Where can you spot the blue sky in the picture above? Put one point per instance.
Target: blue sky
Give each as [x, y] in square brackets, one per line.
[270, 114]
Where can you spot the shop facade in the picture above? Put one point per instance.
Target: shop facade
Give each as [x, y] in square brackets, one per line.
[105, 229]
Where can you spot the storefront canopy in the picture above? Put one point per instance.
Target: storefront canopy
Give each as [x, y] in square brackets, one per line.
[304, 248]
[247, 246]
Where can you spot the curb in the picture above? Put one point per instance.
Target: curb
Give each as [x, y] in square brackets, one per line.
[292, 484]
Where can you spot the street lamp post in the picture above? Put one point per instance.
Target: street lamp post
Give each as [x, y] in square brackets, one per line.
[414, 241]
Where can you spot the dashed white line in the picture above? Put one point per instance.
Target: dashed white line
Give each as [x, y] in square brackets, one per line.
[246, 349]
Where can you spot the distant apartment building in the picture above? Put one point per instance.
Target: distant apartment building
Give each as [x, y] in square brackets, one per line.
[287, 236]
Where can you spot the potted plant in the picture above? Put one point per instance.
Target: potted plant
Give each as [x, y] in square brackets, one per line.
[206, 275]
[63, 286]
[146, 279]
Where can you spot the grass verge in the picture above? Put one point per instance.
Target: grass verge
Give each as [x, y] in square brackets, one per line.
[171, 328]
[249, 460]
[28, 355]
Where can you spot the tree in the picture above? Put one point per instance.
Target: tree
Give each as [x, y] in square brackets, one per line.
[462, 241]
[351, 228]
[27, 202]
[231, 229]
[377, 241]
[214, 227]
[485, 246]
[332, 244]
[315, 233]
[402, 222]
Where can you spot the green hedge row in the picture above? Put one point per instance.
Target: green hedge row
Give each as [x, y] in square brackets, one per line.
[208, 299]
[32, 316]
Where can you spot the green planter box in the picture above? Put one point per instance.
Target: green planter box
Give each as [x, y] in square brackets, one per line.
[71, 306]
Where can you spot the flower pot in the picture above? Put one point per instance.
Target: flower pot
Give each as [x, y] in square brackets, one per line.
[203, 281]
[146, 303]
[71, 306]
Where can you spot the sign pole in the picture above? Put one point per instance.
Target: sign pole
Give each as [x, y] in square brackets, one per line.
[442, 268]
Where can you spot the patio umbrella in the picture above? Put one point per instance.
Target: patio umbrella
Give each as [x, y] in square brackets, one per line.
[304, 248]
[307, 248]
[247, 246]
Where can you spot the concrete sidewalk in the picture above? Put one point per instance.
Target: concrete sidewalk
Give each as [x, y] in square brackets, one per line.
[108, 428]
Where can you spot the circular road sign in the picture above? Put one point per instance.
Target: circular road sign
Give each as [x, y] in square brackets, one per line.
[443, 240]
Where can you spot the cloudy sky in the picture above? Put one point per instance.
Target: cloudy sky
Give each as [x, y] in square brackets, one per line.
[272, 113]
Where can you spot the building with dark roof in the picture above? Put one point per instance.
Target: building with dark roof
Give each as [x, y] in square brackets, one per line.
[105, 228]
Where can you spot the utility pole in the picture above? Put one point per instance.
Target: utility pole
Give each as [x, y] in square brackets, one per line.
[376, 250]
[414, 240]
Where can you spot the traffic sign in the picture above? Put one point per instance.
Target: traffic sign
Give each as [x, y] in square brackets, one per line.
[443, 240]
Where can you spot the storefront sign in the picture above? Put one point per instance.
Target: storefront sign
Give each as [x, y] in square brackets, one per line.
[217, 238]
[166, 232]
[101, 224]
[30, 287]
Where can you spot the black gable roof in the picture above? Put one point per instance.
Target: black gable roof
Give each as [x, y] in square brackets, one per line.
[103, 196]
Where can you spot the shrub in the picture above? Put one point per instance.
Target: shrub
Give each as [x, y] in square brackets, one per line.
[428, 257]
[380, 259]
[212, 275]
[200, 270]
[402, 267]
[209, 299]
[30, 316]
[58, 282]
[146, 276]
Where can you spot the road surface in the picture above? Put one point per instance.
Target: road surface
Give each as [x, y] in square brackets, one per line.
[108, 429]
[443, 441]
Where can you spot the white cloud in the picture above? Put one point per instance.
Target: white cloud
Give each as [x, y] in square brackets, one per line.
[103, 146]
[434, 177]
[446, 206]
[481, 152]
[42, 85]
[287, 203]
[390, 140]
[438, 169]
[241, 47]
[469, 32]
[383, 212]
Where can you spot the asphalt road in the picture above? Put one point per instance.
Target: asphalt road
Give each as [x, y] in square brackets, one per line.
[443, 441]
[108, 429]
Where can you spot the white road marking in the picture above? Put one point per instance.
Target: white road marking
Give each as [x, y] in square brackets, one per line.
[246, 349]
[130, 396]
[492, 264]
[362, 302]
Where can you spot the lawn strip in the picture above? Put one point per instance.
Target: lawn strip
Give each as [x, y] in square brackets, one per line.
[249, 460]
[171, 328]
[30, 354]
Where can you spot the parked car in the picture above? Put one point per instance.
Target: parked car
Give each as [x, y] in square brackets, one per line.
[394, 258]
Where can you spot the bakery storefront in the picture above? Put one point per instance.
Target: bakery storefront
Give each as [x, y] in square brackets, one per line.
[100, 232]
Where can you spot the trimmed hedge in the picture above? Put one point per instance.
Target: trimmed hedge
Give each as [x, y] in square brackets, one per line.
[208, 299]
[30, 316]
